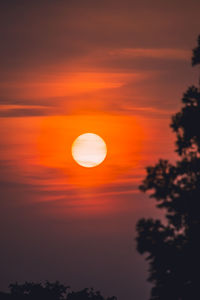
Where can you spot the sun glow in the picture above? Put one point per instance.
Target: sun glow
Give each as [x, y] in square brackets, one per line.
[123, 136]
[89, 150]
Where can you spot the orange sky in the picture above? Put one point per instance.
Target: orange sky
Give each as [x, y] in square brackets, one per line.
[115, 68]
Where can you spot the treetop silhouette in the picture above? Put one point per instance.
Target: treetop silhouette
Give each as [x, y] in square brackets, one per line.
[196, 54]
[172, 245]
[49, 291]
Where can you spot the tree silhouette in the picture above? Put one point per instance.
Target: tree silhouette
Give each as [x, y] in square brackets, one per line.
[49, 291]
[172, 245]
[32, 291]
[196, 54]
[87, 294]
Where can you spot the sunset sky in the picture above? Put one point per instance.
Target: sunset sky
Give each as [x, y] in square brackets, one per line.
[114, 68]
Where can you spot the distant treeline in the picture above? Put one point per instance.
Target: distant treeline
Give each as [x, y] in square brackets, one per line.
[49, 291]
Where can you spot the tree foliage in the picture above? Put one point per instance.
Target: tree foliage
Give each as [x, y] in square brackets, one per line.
[49, 291]
[172, 247]
[196, 54]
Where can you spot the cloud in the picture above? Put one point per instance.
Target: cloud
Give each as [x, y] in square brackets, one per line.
[68, 31]
[122, 53]
[163, 53]
[22, 112]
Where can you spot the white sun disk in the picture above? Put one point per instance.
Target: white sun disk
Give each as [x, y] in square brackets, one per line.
[89, 150]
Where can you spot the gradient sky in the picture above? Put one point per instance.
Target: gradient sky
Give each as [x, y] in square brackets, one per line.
[115, 68]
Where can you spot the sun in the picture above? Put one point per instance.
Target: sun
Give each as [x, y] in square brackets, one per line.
[89, 150]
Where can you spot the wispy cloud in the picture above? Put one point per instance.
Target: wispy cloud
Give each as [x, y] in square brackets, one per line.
[156, 53]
